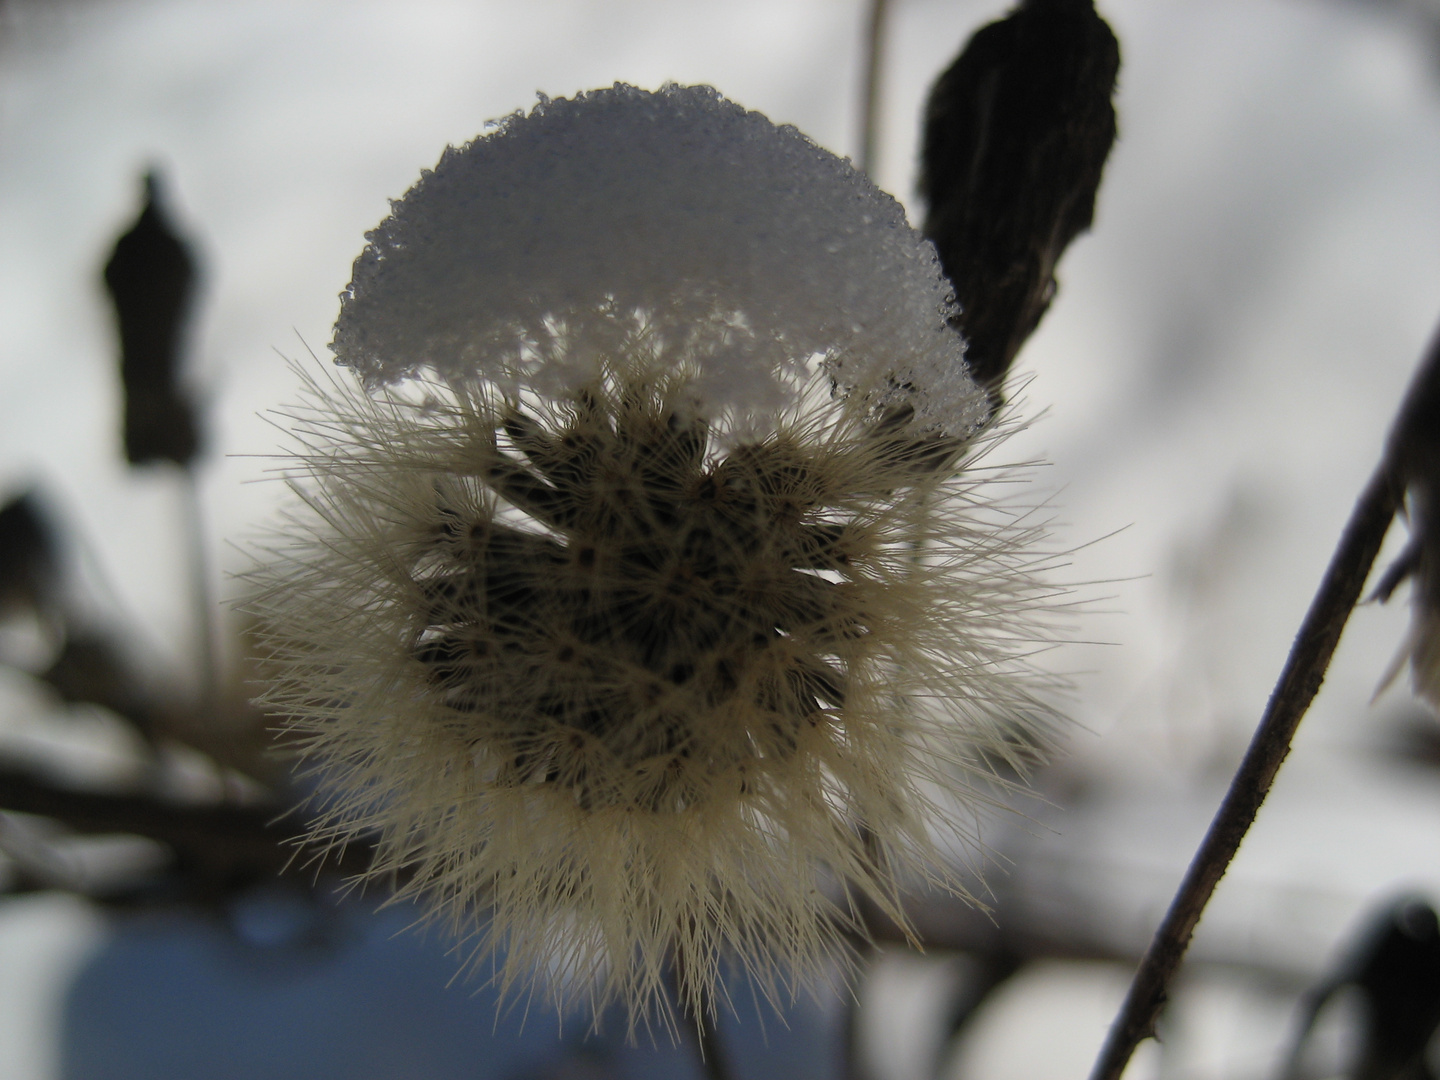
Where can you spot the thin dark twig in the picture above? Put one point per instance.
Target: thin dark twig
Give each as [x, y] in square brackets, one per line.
[870, 89]
[712, 1053]
[1299, 682]
[853, 1064]
[699, 1022]
[202, 595]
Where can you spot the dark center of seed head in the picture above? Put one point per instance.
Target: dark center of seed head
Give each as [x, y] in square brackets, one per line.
[673, 525]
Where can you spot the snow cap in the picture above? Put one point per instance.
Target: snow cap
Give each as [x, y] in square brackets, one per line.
[752, 251]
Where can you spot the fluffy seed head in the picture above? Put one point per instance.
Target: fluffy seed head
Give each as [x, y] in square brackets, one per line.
[637, 616]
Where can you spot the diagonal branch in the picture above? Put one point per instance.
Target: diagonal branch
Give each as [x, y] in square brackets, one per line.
[1299, 682]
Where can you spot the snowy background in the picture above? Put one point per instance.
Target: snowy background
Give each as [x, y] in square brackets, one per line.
[1215, 379]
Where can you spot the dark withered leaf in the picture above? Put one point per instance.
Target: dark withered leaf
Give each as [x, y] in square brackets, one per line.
[1414, 450]
[1395, 965]
[151, 279]
[1413, 459]
[1017, 131]
[29, 575]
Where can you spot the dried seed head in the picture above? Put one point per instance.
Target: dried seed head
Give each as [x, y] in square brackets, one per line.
[619, 664]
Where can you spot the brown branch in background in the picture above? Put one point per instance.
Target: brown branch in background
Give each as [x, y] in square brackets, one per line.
[1016, 135]
[219, 847]
[93, 667]
[230, 846]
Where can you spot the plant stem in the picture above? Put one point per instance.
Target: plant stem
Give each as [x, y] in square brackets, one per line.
[697, 1017]
[712, 1054]
[1299, 682]
[870, 87]
[202, 597]
[853, 1064]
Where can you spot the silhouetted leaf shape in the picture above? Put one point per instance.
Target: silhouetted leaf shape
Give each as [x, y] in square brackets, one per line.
[151, 278]
[1414, 459]
[28, 569]
[1017, 131]
[1399, 972]
[1396, 967]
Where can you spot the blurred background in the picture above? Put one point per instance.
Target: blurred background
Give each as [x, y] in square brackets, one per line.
[1211, 389]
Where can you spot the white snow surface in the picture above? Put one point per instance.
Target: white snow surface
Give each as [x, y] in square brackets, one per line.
[530, 251]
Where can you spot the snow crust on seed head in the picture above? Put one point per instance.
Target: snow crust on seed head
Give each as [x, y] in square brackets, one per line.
[529, 253]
